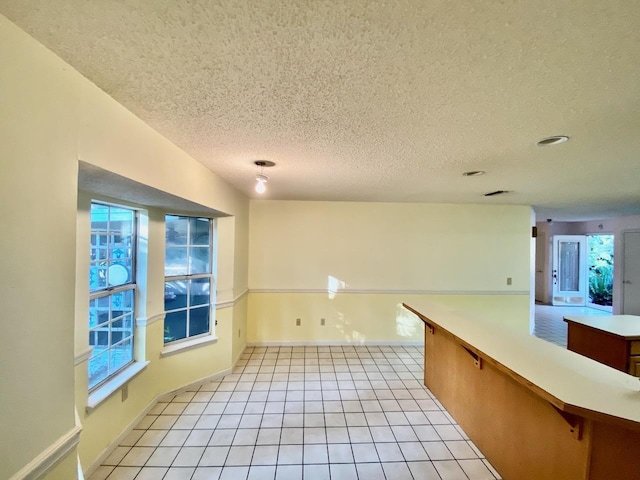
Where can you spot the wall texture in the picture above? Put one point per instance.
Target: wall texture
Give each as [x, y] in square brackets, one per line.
[38, 172]
[51, 119]
[353, 263]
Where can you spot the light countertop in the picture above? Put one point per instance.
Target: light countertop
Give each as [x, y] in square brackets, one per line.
[573, 379]
[627, 326]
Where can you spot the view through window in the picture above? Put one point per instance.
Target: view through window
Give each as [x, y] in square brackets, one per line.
[188, 277]
[112, 290]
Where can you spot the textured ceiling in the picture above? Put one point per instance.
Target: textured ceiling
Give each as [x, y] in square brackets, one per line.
[377, 101]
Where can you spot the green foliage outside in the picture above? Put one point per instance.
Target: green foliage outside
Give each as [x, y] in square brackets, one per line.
[601, 269]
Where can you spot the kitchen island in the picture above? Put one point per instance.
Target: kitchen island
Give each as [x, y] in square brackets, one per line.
[536, 411]
[613, 340]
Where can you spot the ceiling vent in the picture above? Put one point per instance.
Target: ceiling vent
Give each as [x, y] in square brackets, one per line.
[497, 192]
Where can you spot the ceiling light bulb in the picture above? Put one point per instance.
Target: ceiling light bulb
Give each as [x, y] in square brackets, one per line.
[261, 186]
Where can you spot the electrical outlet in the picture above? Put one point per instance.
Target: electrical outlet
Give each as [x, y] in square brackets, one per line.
[238, 333]
[125, 391]
[322, 322]
[508, 280]
[298, 322]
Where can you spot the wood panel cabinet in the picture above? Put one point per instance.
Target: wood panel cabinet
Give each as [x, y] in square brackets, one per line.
[613, 340]
[535, 410]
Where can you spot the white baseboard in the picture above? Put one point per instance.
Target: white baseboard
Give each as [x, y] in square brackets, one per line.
[336, 344]
[161, 396]
[197, 383]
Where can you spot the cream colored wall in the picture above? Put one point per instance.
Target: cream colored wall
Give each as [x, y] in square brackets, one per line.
[51, 118]
[64, 470]
[382, 246]
[364, 318]
[38, 172]
[104, 424]
[353, 263]
[239, 329]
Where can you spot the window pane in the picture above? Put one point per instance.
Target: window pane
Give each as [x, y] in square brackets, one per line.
[199, 320]
[98, 366]
[121, 329]
[175, 261]
[98, 311]
[175, 326]
[121, 303]
[176, 230]
[175, 295]
[120, 355]
[99, 216]
[199, 231]
[199, 292]
[98, 276]
[99, 337]
[112, 244]
[199, 260]
[111, 317]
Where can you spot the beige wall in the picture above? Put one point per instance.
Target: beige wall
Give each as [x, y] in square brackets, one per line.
[353, 263]
[38, 172]
[289, 252]
[52, 117]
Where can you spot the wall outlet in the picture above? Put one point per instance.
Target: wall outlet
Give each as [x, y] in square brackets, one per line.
[297, 322]
[125, 391]
[238, 333]
[509, 281]
[322, 322]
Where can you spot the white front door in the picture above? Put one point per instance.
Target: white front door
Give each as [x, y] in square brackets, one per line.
[631, 278]
[569, 276]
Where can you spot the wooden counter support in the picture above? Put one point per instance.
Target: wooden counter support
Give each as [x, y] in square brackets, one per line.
[515, 396]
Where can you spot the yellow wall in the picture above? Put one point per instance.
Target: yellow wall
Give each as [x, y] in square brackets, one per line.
[63, 470]
[355, 318]
[51, 118]
[382, 246]
[38, 209]
[346, 262]
[353, 263]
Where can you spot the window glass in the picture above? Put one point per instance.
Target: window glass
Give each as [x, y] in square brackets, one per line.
[112, 287]
[188, 277]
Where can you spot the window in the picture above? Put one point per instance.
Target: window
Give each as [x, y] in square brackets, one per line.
[189, 285]
[112, 291]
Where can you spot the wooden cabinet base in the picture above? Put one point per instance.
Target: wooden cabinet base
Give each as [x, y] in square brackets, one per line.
[520, 430]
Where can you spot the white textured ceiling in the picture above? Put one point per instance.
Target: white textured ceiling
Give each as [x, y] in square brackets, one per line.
[377, 101]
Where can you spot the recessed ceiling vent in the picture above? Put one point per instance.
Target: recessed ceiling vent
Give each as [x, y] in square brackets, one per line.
[555, 140]
[497, 192]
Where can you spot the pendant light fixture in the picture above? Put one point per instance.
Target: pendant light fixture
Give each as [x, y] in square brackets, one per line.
[261, 178]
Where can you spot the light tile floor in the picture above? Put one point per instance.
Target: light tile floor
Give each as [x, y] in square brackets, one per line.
[549, 324]
[303, 413]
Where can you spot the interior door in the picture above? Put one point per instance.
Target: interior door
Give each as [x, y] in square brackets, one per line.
[631, 273]
[569, 275]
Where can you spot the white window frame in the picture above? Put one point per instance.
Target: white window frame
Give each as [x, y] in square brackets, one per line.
[190, 341]
[110, 291]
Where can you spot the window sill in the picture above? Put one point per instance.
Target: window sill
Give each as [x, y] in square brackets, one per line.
[186, 345]
[110, 387]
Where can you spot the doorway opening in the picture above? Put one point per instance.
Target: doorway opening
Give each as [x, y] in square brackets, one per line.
[600, 268]
[583, 271]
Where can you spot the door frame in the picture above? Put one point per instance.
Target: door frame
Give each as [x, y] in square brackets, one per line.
[622, 264]
[579, 299]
